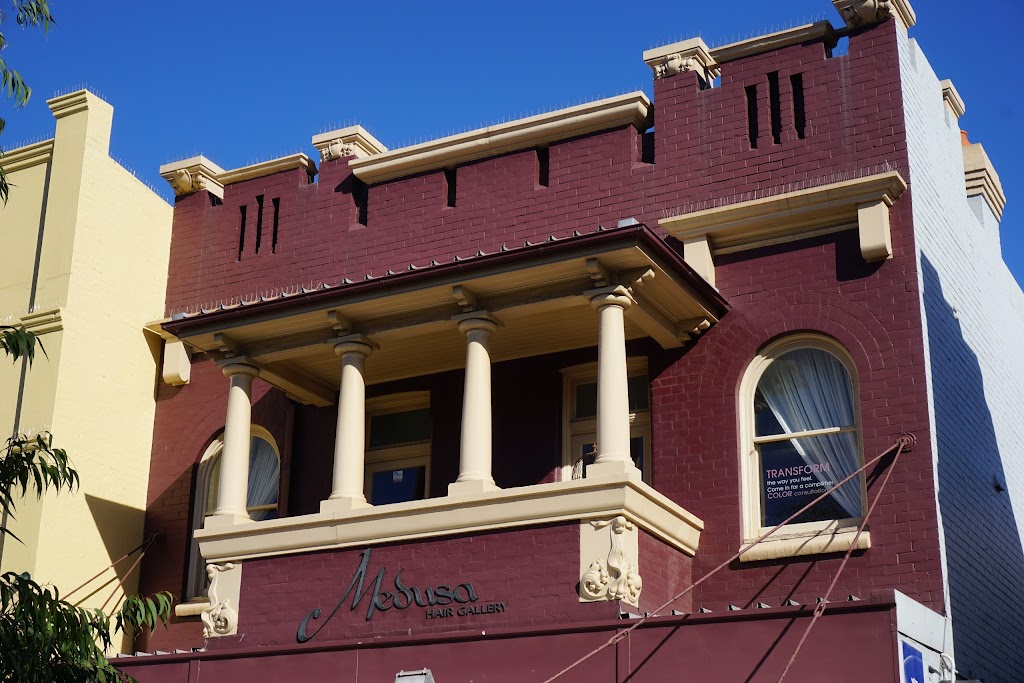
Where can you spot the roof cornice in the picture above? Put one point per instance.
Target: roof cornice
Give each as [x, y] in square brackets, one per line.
[534, 131]
[27, 156]
[818, 31]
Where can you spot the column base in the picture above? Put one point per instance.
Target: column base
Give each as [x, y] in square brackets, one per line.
[343, 504]
[471, 486]
[615, 468]
[214, 521]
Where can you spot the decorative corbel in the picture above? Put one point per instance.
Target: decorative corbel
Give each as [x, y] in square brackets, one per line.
[339, 323]
[221, 617]
[687, 55]
[194, 174]
[614, 578]
[465, 298]
[226, 345]
[352, 141]
[858, 13]
[598, 273]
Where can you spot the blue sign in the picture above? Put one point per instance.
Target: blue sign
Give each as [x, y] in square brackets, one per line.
[913, 665]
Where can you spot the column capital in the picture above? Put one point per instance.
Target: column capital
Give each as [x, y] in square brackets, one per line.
[477, 320]
[237, 367]
[354, 343]
[610, 296]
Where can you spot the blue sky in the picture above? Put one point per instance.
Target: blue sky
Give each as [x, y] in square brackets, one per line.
[247, 81]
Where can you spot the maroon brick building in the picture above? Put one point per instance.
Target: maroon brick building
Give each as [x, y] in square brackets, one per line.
[493, 402]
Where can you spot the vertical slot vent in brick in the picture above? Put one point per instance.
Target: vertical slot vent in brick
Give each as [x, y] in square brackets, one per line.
[259, 222]
[543, 166]
[647, 147]
[799, 113]
[361, 197]
[450, 189]
[775, 102]
[752, 130]
[276, 201]
[241, 232]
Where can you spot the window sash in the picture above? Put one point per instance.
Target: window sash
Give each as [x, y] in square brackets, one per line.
[752, 485]
[775, 438]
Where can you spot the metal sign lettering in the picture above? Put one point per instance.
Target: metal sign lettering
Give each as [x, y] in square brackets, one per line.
[436, 600]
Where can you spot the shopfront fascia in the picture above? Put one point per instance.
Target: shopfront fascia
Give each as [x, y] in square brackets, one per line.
[325, 345]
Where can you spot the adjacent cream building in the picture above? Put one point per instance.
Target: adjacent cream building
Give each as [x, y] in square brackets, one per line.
[84, 266]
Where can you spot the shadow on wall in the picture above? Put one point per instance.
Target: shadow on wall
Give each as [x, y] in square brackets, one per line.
[983, 545]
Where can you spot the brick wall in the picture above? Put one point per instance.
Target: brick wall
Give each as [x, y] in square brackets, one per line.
[188, 419]
[975, 322]
[666, 573]
[525, 570]
[702, 154]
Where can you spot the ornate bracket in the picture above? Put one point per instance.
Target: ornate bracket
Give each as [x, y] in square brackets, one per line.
[191, 175]
[336, 149]
[352, 141]
[220, 618]
[677, 58]
[864, 12]
[676, 64]
[615, 578]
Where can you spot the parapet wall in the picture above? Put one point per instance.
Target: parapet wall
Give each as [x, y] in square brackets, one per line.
[702, 155]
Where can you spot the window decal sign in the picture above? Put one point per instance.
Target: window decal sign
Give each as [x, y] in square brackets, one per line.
[440, 602]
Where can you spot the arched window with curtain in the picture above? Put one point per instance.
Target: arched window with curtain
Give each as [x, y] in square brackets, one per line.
[801, 436]
[261, 503]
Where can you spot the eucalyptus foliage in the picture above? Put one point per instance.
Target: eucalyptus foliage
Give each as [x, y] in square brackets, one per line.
[27, 14]
[43, 637]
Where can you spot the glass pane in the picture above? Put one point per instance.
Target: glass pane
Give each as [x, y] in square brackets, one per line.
[264, 473]
[213, 487]
[801, 391]
[586, 400]
[392, 429]
[639, 394]
[795, 472]
[261, 515]
[399, 485]
[636, 450]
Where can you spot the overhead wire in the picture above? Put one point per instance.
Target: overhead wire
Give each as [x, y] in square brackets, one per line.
[904, 442]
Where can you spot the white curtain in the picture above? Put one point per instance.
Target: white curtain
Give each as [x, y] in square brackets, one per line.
[810, 389]
[264, 474]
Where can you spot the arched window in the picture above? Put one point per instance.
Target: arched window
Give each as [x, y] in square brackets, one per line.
[800, 437]
[261, 502]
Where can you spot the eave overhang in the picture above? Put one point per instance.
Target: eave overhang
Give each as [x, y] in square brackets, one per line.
[537, 292]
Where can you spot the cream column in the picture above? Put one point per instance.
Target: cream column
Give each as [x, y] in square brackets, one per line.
[613, 455]
[233, 489]
[350, 440]
[475, 455]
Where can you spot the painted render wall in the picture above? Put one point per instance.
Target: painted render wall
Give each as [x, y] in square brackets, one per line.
[103, 238]
[974, 317]
[702, 154]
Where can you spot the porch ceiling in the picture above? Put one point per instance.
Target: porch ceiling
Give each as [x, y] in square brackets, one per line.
[537, 292]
